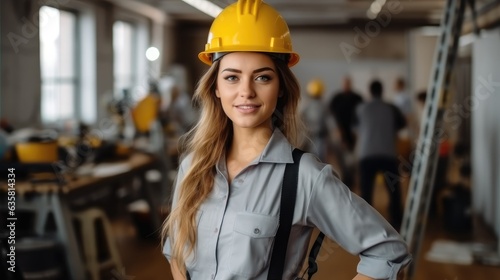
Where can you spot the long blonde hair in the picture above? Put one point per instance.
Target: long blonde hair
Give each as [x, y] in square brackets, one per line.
[207, 142]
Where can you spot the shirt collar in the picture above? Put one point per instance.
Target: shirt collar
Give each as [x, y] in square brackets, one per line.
[277, 150]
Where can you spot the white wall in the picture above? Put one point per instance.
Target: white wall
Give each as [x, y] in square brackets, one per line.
[486, 127]
[422, 44]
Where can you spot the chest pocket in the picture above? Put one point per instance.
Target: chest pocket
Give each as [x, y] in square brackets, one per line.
[253, 236]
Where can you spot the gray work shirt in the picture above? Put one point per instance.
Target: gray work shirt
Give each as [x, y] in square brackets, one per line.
[238, 221]
[378, 124]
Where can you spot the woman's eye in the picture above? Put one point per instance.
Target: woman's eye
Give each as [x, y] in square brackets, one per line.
[230, 78]
[263, 78]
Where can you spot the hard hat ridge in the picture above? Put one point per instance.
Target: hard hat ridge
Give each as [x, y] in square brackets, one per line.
[250, 7]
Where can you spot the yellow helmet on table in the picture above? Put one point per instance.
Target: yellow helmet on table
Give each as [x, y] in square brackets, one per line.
[249, 25]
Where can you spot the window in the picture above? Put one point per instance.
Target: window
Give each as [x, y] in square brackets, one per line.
[124, 40]
[58, 58]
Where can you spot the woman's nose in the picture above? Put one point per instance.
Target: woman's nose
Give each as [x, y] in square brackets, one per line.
[247, 88]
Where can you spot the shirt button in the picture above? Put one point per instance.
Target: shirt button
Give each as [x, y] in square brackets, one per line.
[216, 230]
[256, 231]
[212, 276]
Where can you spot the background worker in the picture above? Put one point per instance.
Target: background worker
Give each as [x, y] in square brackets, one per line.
[403, 101]
[378, 124]
[314, 115]
[343, 107]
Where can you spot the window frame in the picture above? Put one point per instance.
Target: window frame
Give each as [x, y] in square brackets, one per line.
[142, 31]
[59, 80]
[133, 58]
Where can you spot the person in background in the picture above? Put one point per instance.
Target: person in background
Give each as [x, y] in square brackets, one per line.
[342, 106]
[181, 112]
[6, 126]
[226, 203]
[145, 115]
[403, 101]
[421, 96]
[314, 115]
[378, 123]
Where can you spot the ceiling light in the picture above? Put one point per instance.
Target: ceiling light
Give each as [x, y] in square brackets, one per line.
[152, 54]
[375, 7]
[205, 6]
[371, 15]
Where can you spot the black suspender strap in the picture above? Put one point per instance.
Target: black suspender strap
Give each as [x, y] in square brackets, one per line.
[288, 196]
[311, 262]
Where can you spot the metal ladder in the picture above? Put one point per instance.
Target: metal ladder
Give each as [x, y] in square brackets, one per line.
[426, 155]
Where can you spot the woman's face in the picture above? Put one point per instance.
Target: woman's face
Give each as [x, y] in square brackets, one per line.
[248, 87]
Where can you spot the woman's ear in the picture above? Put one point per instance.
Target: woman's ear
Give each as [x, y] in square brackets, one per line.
[217, 93]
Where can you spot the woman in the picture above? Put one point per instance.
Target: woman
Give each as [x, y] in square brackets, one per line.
[227, 195]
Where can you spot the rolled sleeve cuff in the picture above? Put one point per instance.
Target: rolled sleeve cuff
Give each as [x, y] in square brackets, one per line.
[381, 269]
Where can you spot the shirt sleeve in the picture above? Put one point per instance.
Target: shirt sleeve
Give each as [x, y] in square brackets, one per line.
[356, 226]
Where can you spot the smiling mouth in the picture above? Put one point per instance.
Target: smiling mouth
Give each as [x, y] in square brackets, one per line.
[247, 107]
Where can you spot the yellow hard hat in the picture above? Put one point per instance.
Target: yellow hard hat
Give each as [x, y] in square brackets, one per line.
[249, 25]
[315, 88]
[37, 152]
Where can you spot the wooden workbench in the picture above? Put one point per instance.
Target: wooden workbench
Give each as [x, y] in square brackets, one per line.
[56, 197]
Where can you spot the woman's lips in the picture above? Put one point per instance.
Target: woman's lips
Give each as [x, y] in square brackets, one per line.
[247, 108]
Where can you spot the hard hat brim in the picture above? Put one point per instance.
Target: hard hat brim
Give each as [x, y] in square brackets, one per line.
[206, 57]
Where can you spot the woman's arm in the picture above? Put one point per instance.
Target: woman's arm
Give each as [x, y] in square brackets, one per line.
[357, 227]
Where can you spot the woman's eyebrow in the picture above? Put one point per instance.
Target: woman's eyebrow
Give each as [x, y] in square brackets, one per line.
[263, 69]
[231, 70]
[254, 71]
